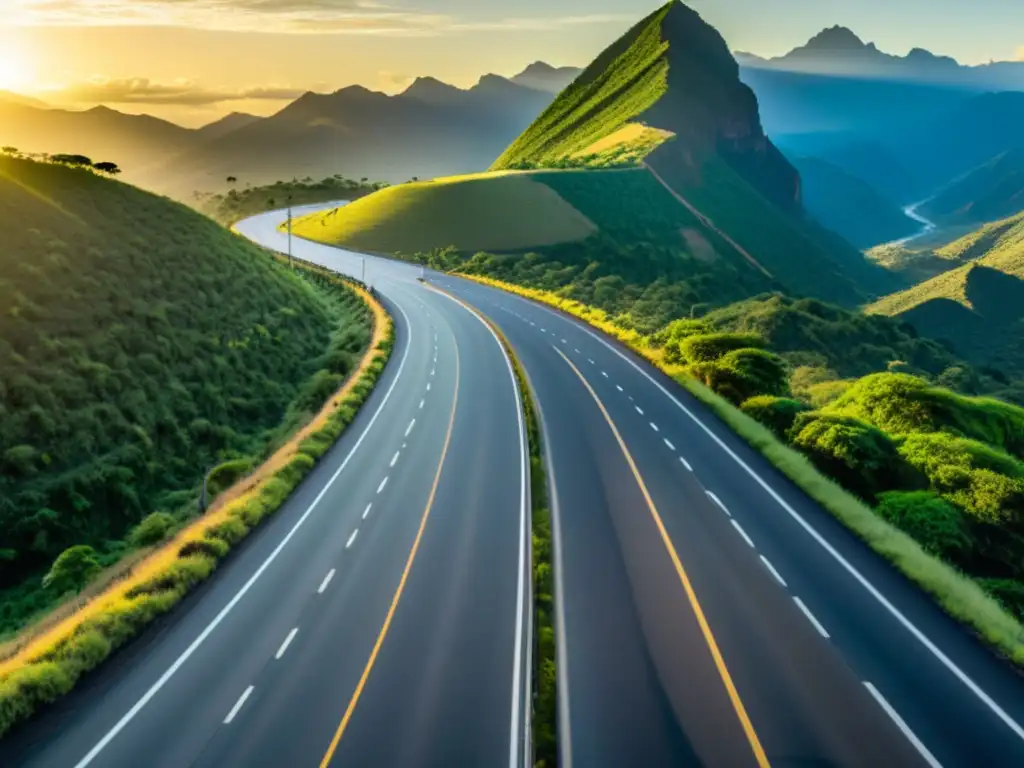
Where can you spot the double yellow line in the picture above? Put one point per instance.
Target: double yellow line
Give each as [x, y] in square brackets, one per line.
[705, 628]
[332, 748]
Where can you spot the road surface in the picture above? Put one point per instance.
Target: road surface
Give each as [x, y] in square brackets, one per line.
[380, 618]
[708, 612]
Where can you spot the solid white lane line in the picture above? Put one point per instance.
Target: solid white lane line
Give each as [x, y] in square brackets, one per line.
[655, 427]
[771, 569]
[394, 459]
[810, 616]
[352, 538]
[238, 705]
[325, 582]
[639, 410]
[367, 510]
[685, 463]
[739, 529]
[669, 444]
[422, 402]
[287, 642]
[894, 716]
[893, 611]
[711, 495]
[187, 653]
[382, 484]
[619, 388]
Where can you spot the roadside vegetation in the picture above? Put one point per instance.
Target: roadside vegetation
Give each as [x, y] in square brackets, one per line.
[141, 345]
[930, 478]
[48, 665]
[231, 207]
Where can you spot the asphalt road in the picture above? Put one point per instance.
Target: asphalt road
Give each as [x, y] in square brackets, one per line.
[708, 612]
[380, 618]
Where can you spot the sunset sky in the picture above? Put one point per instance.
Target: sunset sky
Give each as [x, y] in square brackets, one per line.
[194, 60]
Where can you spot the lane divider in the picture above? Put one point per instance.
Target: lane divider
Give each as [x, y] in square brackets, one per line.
[741, 713]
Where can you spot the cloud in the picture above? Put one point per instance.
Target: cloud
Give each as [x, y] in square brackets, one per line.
[358, 17]
[140, 90]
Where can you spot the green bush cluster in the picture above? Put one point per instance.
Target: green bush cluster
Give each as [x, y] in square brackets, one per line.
[55, 671]
[237, 204]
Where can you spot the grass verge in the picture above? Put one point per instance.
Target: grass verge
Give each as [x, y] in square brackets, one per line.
[960, 596]
[49, 664]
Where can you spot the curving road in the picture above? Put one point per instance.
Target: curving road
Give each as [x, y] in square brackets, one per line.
[381, 617]
[709, 613]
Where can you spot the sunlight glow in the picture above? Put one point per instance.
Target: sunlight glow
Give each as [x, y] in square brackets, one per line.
[15, 72]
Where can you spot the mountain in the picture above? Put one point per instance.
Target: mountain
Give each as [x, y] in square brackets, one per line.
[977, 307]
[839, 51]
[131, 141]
[9, 97]
[992, 191]
[544, 77]
[673, 74]
[849, 206]
[432, 129]
[225, 125]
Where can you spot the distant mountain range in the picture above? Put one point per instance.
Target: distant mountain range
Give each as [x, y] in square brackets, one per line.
[838, 51]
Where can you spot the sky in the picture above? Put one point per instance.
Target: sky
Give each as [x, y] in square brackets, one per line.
[194, 60]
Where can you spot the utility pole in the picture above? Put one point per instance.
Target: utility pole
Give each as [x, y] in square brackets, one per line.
[290, 263]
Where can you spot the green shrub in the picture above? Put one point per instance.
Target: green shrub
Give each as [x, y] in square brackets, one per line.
[986, 483]
[224, 475]
[858, 456]
[709, 347]
[74, 568]
[1008, 592]
[744, 373]
[154, 528]
[776, 413]
[933, 522]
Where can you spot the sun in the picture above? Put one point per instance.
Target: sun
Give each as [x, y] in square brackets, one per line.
[14, 70]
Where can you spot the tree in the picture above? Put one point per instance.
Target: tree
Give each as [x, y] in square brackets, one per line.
[110, 169]
[232, 179]
[71, 159]
[9, 150]
[72, 570]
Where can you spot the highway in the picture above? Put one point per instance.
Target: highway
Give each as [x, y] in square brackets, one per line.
[708, 612]
[381, 617]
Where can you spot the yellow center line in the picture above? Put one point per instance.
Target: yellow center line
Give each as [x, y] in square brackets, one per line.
[401, 585]
[716, 654]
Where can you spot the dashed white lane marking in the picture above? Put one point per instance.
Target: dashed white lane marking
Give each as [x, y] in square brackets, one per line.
[669, 444]
[894, 716]
[367, 510]
[576, 351]
[685, 463]
[286, 643]
[404, 446]
[639, 410]
[590, 361]
[810, 617]
[325, 582]
[771, 568]
[433, 371]
[428, 386]
[655, 427]
[605, 374]
[352, 538]
[564, 341]
[394, 459]
[543, 330]
[238, 705]
[715, 499]
[739, 529]
[422, 402]
[382, 484]
[619, 388]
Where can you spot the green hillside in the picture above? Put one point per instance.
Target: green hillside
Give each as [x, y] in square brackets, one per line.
[990, 192]
[140, 345]
[499, 212]
[978, 307]
[231, 207]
